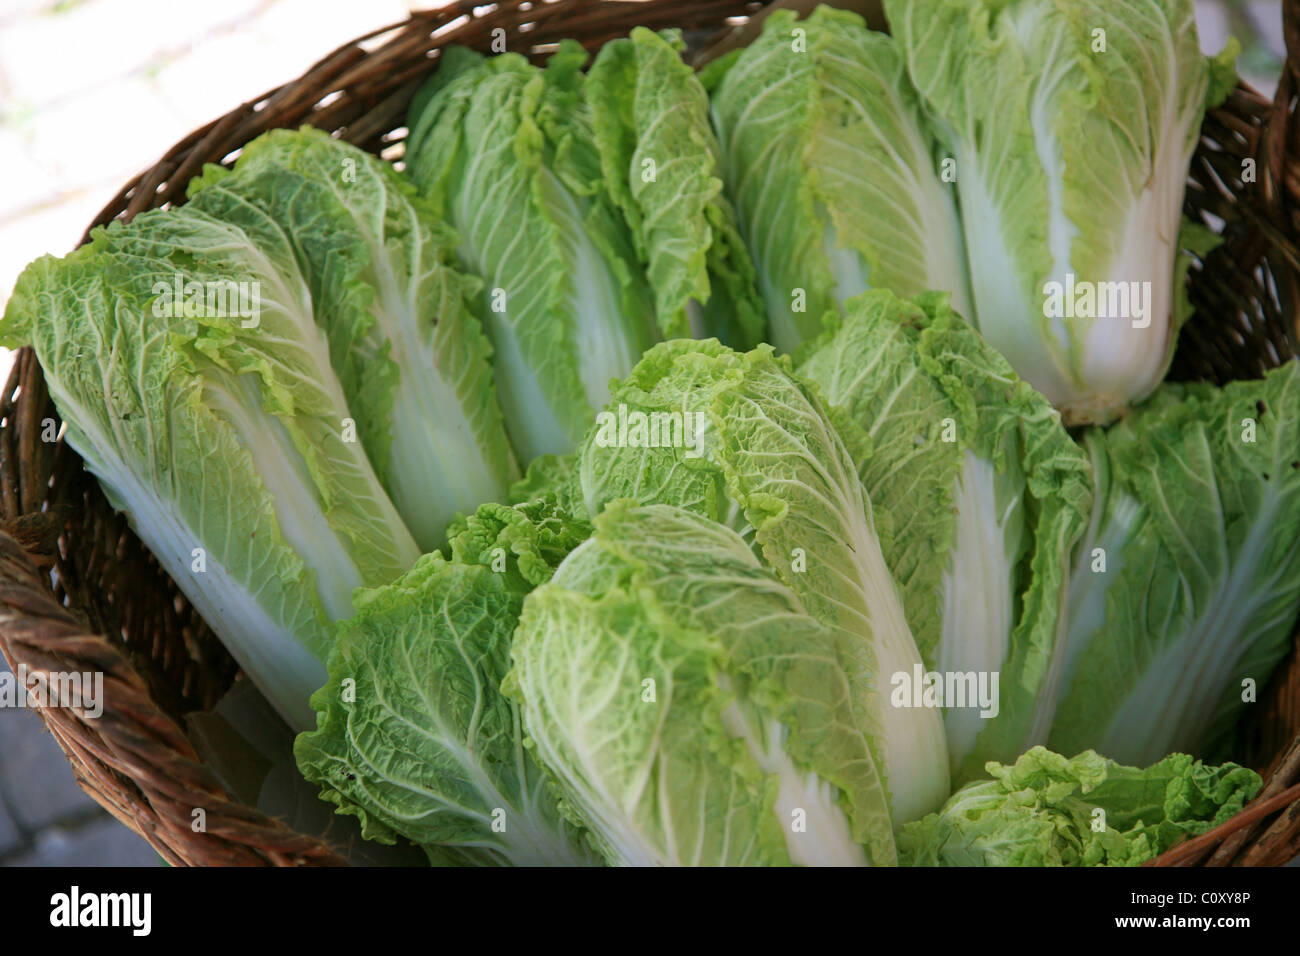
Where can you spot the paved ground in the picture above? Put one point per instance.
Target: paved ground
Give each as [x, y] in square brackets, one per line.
[76, 123]
[45, 818]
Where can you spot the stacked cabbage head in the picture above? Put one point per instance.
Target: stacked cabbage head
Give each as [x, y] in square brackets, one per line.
[183, 353]
[834, 172]
[1071, 125]
[980, 496]
[592, 209]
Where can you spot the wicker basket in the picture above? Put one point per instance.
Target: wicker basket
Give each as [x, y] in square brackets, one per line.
[79, 592]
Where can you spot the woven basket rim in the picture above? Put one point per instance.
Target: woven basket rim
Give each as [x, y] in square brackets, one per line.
[138, 762]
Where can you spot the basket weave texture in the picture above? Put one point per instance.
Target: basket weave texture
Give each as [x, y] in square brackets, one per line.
[79, 592]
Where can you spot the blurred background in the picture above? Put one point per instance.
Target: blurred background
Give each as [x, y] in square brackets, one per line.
[94, 91]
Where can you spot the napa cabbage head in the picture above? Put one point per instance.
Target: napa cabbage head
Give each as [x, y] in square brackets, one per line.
[736, 438]
[687, 706]
[183, 354]
[415, 738]
[832, 167]
[591, 206]
[662, 166]
[404, 339]
[1044, 809]
[506, 153]
[979, 495]
[1072, 125]
[1186, 586]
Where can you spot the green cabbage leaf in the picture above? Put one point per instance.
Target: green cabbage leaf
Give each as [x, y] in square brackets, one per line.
[1049, 810]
